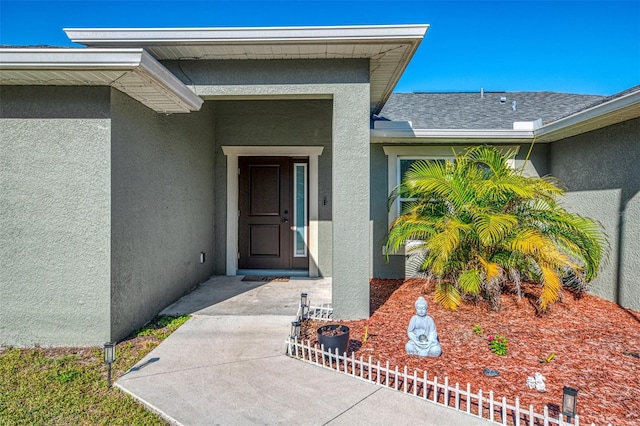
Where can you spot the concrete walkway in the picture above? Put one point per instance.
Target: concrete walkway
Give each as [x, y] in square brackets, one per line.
[227, 366]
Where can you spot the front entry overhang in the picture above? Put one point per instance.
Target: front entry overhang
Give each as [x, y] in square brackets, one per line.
[356, 67]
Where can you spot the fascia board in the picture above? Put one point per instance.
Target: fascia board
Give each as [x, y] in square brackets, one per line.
[618, 109]
[399, 70]
[162, 76]
[450, 135]
[135, 61]
[103, 36]
[409, 36]
[73, 58]
[613, 106]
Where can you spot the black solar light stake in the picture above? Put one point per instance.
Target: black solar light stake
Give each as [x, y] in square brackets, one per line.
[569, 401]
[109, 358]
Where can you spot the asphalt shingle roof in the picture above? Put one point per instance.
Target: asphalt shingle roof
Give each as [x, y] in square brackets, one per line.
[464, 110]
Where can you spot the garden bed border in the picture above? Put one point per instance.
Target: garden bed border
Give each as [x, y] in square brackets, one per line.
[435, 390]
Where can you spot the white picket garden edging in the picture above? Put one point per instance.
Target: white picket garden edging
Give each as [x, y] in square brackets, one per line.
[437, 390]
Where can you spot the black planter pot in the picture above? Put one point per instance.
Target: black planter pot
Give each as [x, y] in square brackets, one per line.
[334, 336]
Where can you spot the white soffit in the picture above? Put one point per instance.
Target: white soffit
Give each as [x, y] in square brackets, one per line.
[132, 71]
[388, 47]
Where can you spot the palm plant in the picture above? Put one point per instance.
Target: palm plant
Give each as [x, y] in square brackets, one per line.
[480, 223]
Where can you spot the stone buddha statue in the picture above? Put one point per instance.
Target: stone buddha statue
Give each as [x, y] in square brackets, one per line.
[423, 337]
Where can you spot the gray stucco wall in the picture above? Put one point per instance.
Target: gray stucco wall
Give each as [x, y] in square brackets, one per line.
[162, 208]
[398, 266]
[395, 266]
[346, 83]
[55, 179]
[601, 172]
[275, 123]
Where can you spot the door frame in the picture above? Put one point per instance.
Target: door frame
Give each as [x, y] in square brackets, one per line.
[232, 153]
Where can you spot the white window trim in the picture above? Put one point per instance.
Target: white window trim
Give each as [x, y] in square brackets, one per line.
[396, 153]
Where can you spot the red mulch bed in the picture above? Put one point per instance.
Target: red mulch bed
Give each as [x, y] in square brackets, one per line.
[596, 345]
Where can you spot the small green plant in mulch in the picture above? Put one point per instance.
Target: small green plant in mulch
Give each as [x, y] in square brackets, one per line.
[477, 329]
[67, 386]
[498, 344]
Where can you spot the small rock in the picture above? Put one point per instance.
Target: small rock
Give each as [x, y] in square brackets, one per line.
[489, 372]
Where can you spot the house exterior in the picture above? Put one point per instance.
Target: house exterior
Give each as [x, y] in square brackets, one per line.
[591, 143]
[139, 166]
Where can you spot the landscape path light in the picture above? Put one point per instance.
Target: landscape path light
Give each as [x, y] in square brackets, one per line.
[109, 358]
[303, 305]
[295, 329]
[569, 401]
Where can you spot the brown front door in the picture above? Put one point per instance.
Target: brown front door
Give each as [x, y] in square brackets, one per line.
[265, 213]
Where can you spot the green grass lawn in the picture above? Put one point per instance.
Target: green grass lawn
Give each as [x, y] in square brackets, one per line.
[68, 386]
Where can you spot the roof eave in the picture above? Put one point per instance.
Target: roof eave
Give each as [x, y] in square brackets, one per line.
[134, 63]
[402, 66]
[451, 136]
[170, 83]
[620, 109]
[69, 58]
[224, 35]
[156, 39]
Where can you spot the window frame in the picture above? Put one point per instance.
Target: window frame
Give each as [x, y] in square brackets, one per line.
[442, 152]
[399, 177]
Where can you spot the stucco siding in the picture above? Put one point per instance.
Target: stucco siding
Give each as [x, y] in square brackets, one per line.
[55, 217]
[255, 77]
[346, 84]
[394, 266]
[600, 170]
[351, 201]
[163, 208]
[276, 123]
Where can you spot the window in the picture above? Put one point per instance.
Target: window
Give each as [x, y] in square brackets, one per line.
[300, 210]
[400, 159]
[404, 164]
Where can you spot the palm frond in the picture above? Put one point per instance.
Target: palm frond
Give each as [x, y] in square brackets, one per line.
[492, 228]
[470, 281]
[551, 286]
[447, 295]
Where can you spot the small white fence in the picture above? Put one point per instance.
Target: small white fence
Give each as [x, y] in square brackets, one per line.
[437, 390]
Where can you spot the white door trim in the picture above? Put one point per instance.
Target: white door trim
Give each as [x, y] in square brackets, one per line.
[232, 153]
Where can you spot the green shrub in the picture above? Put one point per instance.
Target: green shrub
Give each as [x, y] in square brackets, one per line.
[481, 224]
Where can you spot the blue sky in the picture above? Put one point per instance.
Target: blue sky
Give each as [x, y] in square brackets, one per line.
[566, 46]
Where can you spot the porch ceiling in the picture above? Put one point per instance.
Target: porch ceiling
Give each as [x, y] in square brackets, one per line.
[388, 47]
[132, 71]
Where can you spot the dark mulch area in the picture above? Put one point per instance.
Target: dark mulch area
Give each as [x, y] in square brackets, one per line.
[596, 345]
